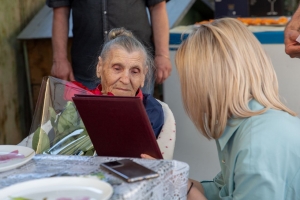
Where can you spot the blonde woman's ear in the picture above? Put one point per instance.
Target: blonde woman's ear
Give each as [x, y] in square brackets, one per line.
[99, 67]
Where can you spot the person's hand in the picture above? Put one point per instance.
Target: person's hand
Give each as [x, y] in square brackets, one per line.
[292, 47]
[146, 156]
[195, 190]
[163, 68]
[62, 69]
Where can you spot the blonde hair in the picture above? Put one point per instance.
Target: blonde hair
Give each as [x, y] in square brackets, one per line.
[222, 66]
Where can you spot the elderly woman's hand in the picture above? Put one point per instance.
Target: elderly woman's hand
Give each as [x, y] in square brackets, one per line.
[146, 156]
[195, 190]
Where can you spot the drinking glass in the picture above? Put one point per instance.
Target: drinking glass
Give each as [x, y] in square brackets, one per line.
[272, 12]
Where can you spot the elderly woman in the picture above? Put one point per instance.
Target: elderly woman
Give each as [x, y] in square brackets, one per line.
[123, 66]
[230, 92]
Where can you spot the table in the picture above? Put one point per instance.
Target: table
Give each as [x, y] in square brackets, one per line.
[171, 184]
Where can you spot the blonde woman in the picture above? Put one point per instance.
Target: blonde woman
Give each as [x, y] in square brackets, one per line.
[230, 92]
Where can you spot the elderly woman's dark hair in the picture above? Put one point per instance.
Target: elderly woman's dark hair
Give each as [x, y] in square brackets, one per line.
[122, 38]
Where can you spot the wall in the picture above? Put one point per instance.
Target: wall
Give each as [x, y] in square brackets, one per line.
[15, 117]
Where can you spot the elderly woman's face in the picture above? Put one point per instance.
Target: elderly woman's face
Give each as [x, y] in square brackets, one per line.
[122, 73]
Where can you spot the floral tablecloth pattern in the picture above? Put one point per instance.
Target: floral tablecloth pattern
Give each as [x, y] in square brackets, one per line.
[171, 184]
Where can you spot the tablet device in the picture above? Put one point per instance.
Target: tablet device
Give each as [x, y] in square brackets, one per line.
[118, 126]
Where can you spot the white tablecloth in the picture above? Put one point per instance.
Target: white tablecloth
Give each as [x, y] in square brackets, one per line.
[171, 184]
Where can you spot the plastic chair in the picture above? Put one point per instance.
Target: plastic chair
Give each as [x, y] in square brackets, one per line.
[167, 136]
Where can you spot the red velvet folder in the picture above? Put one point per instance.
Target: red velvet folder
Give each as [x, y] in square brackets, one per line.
[117, 126]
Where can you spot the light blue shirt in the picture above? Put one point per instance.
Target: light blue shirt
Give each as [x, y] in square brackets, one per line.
[259, 158]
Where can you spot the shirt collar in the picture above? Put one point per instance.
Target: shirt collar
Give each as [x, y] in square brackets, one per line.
[234, 123]
[139, 93]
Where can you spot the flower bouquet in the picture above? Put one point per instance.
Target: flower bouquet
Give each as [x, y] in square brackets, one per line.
[57, 128]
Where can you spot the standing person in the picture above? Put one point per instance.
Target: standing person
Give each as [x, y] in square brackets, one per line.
[92, 21]
[292, 36]
[230, 92]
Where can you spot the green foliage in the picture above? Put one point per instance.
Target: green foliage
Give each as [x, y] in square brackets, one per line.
[40, 141]
[70, 138]
[67, 122]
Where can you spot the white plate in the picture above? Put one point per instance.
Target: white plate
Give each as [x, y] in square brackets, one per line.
[56, 188]
[14, 163]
